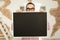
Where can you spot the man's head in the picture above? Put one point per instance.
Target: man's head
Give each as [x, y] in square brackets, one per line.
[30, 7]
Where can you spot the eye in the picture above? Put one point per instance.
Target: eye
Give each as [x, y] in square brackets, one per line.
[28, 8]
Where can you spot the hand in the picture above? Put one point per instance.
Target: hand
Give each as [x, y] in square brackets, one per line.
[19, 10]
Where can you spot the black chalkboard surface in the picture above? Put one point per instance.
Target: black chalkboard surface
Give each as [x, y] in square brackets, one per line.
[30, 24]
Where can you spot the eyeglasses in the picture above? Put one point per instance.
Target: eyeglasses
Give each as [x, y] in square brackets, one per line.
[30, 8]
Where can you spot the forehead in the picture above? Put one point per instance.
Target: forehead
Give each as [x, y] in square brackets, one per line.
[30, 5]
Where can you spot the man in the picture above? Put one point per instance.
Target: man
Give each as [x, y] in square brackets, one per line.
[30, 7]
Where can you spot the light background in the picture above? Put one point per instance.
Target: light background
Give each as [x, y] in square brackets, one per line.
[15, 4]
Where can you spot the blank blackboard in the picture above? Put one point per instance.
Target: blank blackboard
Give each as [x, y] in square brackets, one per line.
[30, 24]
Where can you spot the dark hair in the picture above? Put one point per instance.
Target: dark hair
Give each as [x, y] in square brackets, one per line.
[30, 3]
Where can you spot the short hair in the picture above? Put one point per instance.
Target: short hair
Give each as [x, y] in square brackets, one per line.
[30, 3]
